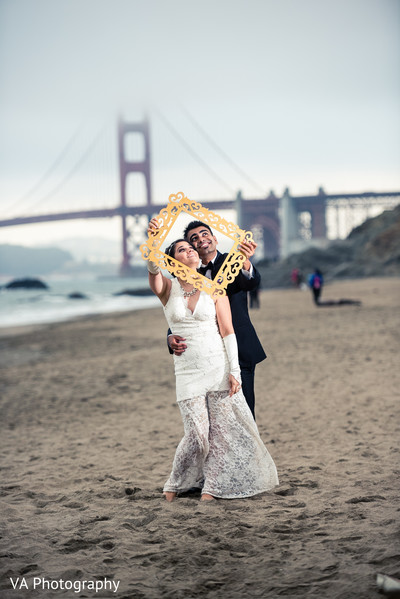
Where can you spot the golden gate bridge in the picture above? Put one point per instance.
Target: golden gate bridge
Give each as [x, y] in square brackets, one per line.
[281, 225]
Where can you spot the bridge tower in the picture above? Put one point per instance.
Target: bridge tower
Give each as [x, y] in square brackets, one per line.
[127, 167]
[302, 222]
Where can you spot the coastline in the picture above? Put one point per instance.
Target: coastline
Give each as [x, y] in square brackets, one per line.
[68, 299]
[10, 331]
[335, 285]
[90, 425]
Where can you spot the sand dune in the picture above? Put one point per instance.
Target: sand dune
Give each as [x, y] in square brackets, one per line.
[89, 429]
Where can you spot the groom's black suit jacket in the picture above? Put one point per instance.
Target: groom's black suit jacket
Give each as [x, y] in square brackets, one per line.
[250, 349]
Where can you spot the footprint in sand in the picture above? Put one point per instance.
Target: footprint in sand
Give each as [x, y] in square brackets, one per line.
[367, 499]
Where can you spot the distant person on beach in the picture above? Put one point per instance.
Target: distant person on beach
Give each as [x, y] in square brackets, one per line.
[254, 296]
[296, 278]
[251, 351]
[316, 282]
[221, 452]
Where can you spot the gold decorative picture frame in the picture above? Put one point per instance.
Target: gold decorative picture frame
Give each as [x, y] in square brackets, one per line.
[233, 263]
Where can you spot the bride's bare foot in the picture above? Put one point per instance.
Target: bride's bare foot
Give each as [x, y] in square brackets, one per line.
[207, 497]
[169, 495]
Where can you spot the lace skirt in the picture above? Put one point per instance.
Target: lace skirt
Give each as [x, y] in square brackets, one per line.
[221, 451]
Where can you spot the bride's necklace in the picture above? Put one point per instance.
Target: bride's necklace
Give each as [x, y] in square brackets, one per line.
[188, 293]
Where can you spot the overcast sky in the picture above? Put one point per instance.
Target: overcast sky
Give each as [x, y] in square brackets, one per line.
[298, 93]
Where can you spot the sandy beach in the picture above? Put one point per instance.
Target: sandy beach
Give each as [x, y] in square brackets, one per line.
[90, 426]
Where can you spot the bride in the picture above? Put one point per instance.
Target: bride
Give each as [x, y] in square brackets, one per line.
[221, 451]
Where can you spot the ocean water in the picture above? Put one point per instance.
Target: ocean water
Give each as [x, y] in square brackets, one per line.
[23, 307]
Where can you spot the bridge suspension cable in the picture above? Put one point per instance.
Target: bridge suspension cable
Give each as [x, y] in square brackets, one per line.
[72, 171]
[221, 152]
[194, 154]
[49, 171]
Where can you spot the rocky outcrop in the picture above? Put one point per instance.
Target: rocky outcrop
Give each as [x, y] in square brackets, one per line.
[138, 292]
[77, 295]
[26, 283]
[372, 249]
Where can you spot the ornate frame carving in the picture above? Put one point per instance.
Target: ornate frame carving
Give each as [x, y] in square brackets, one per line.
[167, 216]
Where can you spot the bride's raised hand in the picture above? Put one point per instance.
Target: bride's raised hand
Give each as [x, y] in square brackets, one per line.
[153, 226]
[234, 385]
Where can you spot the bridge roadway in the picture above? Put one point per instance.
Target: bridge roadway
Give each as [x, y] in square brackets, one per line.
[251, 206]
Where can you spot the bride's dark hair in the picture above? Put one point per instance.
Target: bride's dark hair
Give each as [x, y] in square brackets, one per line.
[170, 250]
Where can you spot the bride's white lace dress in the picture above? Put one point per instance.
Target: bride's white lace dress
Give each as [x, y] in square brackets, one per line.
[221, 450]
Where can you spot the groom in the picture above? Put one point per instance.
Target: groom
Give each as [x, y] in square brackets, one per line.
[249, 346]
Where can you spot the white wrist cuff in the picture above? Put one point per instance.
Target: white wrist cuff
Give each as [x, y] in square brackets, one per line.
[248, 273]
[153, 268]
[231, 348]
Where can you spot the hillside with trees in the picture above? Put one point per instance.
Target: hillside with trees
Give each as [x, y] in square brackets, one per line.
[19, 261]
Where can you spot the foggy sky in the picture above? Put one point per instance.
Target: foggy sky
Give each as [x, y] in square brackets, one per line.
[298, 94]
